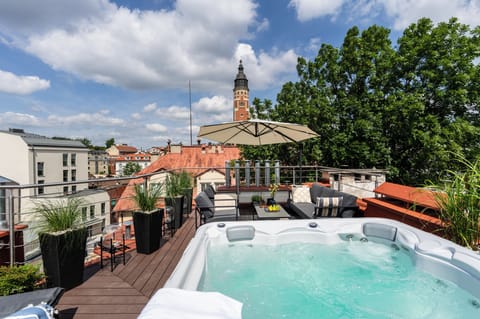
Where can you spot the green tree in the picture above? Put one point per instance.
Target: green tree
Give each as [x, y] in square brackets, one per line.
[85, 141]
[403, 108]
[109, 142]
[131, 168]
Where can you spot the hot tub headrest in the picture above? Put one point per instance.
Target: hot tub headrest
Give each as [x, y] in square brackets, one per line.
[235, 233]
[380, 231]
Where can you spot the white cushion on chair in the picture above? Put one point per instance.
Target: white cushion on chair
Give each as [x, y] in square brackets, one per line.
[301, 194]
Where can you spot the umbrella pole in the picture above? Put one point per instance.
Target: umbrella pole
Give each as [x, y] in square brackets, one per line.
[300, 153]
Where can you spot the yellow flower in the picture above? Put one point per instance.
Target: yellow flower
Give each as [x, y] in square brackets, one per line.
[273, 188]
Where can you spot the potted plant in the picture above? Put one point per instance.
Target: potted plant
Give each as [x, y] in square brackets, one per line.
[256, 199]
[459, 202]
[147, 221]
[185, 181]
[273, 188]
[63, 239]
[174, 197]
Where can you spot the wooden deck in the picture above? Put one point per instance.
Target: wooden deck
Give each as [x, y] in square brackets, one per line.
[124, 292]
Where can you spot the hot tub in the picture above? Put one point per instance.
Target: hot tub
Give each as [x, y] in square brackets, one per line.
[447, 265]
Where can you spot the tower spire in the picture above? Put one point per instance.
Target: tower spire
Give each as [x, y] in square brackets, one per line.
[240, 96]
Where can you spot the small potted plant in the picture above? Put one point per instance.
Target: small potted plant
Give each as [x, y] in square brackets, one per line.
[185, 180]
[174, 197]
[256, 199]
[63, 239]
[147, 222]
[273, 188]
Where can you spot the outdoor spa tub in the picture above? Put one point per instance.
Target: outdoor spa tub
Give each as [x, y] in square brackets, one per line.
[332, 268]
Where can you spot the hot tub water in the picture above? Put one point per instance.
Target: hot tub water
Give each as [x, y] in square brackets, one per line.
[350, 279]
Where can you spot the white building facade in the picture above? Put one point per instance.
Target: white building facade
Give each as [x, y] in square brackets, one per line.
[31, 159]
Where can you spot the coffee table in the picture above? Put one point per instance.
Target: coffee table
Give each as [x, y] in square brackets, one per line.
[263, 214]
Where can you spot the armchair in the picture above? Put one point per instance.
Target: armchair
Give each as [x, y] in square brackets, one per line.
[222, 210]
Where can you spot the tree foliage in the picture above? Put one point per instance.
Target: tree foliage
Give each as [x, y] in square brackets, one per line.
[109, 142]
[131, 168]
[403, 107]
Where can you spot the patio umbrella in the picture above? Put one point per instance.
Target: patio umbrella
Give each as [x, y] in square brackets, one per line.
[256, 132]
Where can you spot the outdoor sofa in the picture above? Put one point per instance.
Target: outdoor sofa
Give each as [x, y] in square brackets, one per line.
[320, 201]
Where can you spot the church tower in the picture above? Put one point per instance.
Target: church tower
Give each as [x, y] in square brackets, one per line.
[240, 96]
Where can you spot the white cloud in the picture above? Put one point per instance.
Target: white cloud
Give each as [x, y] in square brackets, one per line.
[263, 26]
[19, 119]
[22, 85]
[27, 16]
[136, 116]
[99, 118]
[213, 109]
[174, 112]
[155, 127]
[405, 12]
[310, 9]
[150, 107]
[195, 41]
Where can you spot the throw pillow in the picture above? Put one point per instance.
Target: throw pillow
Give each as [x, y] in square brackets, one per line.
[301, 195]
[328, 206]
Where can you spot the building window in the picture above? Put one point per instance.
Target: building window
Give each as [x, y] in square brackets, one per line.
[89, 231]
[65, 175]
[74, 188]
[74, 175]
[73, 159]
[65, 159]
[102, 209]
[40, 166]
[41, 190]
[65, 190]
[92, 211]
[84, 213]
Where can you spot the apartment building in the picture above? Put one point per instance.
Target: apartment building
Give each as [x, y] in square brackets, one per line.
[98, 163]
[32, 159]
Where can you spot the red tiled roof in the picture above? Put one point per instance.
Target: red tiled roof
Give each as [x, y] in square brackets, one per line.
[191, 158]
[126, 149]
[417, 196]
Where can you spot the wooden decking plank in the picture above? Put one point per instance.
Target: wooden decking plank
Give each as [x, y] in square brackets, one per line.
[105, 291]
[104, 300]
[157, 265]
[105, 309]
[171, 266]
[172, 259]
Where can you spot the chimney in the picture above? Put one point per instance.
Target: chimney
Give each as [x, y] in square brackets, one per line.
[198, 141]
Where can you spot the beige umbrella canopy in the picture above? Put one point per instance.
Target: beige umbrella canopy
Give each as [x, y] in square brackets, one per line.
[256, 132]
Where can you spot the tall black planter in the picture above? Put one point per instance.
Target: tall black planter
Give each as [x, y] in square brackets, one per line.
[148, 230]
[187, 201]
[64, 257]
[177, 204]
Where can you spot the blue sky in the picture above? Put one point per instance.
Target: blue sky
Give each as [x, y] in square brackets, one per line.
[103, 68]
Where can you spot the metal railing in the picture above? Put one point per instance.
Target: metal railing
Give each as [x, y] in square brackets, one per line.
[237, 173]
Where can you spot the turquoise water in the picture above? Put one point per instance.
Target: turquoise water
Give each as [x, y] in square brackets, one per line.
[347, 280]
